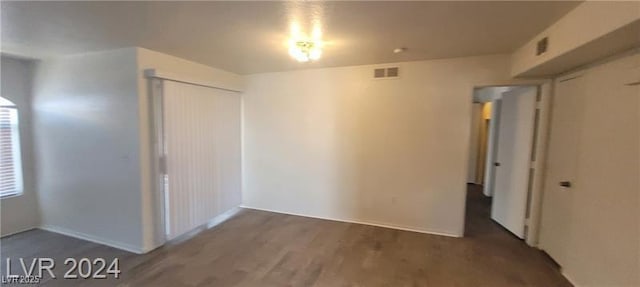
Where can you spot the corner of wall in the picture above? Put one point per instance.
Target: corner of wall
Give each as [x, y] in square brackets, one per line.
[105, 83]
[21, 212]
[587, 22]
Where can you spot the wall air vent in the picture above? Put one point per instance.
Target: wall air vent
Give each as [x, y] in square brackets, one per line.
[542, 46]
[386, 73]
[393, 72]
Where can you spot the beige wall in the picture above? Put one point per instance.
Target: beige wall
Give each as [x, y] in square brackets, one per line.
[335, 143]
[20, 213]
[483, 140]
[587, 22]
[474, 142]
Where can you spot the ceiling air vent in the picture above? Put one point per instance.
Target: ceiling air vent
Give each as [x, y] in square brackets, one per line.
[386, 73]
[542, 46]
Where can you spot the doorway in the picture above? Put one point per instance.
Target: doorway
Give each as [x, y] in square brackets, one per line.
[504, 144]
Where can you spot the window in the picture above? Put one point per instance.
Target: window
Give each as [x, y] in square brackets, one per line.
[10, 165]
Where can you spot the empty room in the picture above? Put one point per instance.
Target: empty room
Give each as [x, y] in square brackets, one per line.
[320, 143]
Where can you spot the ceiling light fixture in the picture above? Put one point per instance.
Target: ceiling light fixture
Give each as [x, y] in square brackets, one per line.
[305, 51]
[399, 50]
[304, 48]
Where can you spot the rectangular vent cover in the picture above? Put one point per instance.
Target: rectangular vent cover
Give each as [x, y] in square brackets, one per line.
[542, 46]
[392, 72]
[382, 73]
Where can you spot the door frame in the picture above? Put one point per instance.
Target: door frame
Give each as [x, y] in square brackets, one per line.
[539, 149]
[492, 138]
[158, 164]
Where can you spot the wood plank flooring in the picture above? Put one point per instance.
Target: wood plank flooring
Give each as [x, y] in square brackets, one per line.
[257, 248]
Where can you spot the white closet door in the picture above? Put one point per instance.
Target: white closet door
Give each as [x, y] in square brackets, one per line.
[592, 226]
[202, 149]
[562, 164]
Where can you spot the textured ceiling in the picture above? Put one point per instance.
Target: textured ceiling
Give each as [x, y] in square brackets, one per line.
[251, 37]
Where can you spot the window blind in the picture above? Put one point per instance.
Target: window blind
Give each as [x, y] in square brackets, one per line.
[201, 131]
[10, 170]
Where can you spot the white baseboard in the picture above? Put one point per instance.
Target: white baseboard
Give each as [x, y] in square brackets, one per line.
[223, 217]
[18, 231]
[573, 282]
[210, 224]
[216, 221]
[94, 239]
[432, 232]
[136, 249]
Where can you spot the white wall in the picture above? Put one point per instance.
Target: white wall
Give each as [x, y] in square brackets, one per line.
[587, 22]
[334, 143]
[87, 146]
[92, 125]
[20, 213]
[488, 94]
[153, 232]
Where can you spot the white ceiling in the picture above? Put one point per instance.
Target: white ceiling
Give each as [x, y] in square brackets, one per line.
[250, 37]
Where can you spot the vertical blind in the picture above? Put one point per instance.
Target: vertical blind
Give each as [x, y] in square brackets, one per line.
[202, 149]
[10, 170]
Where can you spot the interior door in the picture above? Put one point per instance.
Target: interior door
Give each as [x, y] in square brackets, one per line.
[515, 140]
[562, 160]
[606, 198]
[591, 225]
[201, 131]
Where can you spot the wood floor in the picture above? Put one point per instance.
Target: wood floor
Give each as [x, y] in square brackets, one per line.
[258, 248]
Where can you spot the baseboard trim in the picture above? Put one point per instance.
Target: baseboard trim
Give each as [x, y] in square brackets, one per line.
[92, 238]
[18, 231]
[557, 266]
[573, 282]
[223, 217]
[210, 224]
[431, 232]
